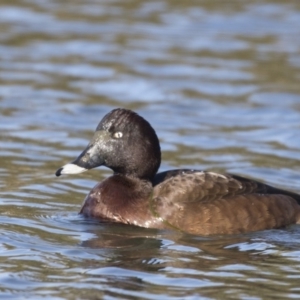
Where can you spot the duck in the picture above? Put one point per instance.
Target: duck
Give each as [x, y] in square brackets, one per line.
[191, 201]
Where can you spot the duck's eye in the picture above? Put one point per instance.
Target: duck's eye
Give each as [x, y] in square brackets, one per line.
[118, 134]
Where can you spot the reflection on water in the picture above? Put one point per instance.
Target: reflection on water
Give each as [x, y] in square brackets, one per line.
[219, 81]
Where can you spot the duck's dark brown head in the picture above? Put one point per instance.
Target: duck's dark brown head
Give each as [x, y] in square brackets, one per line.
[123, 142]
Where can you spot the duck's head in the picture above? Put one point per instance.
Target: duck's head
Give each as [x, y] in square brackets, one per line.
[124, 142]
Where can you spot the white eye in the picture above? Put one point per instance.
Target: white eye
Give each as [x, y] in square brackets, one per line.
[118, 134]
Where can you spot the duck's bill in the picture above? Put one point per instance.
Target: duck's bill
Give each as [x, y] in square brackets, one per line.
[83, 163]
[70, 169]
[90, 158]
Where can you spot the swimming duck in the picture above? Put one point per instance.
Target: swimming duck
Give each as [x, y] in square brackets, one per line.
[193, 201]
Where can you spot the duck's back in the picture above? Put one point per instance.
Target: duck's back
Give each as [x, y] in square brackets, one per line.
[208, 203]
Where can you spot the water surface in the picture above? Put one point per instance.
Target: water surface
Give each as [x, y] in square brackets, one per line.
[219, 82]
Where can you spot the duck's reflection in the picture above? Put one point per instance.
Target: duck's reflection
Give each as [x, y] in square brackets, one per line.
[136, 247]
[135, 257]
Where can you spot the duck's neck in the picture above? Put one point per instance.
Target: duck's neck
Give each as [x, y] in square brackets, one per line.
[144, 171]
[126, 190]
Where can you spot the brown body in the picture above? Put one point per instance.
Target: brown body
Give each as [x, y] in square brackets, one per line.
[196, 202]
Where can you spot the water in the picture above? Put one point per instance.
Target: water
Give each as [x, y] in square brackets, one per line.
[219, 81]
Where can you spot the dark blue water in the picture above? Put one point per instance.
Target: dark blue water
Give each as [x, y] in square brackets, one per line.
[219, 82]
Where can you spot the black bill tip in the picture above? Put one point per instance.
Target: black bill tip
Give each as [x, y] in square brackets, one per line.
[58, 172]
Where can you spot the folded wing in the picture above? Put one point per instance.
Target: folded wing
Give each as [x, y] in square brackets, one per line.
[209, 203]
